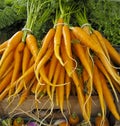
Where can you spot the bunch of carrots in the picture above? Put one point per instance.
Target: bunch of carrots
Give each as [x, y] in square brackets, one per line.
[54, 69]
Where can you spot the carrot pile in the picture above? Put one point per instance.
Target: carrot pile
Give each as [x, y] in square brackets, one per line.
[69, 57]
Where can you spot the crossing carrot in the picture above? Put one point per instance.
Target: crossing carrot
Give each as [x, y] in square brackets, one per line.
[109, 97]
[57, 40]
[31, 42]
[12, 44]
[7, 63]
[17, 64]
[45, 44]
[98, 86]
[26, 59]
[5, 81]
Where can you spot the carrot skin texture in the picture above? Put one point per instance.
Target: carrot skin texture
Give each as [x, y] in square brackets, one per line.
[114, 54]
[98, 86]
[86, 40]
[26, 59]
[7, 63]
[6, 80]
[12, 44]
[45, 44]
[32, 45]
[57, 40]
[67, 39]
[109, 98]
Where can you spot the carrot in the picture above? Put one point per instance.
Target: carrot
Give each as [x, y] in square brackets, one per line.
[4, 93]
[57, 40]
[5, 81]
[44, 59]
[17, 64]
[67, 86]
[98, 87]
[61, 89]
[32, 45]
[67, 90]
[8, 70]
[101, 41]
[45, 44]
[26, 59]
[31, 62]
[34, 86]
[3, 46]
[86, 40]
[52, 69]
[103, 70]
[109, 97]
[67, 39]
[55, 78]
[22, 84]
[112, 52]
[7, 63]
[12, 44]
[87, 92]
[68, 66]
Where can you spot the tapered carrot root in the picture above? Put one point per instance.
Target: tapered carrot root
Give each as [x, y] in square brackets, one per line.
[79, 88]
[5, 81]
[114, 55]
[103, 70]
[31, 42]
[98, 87]
[86, 40]
[26, 59]
[55, 78]
[102, 43]
[52, 69]
[3, 46]
[7, 63]
[17, 65]
[12, 44]
[109, 98]
[61, 89]
[57, 40]
[45, 44]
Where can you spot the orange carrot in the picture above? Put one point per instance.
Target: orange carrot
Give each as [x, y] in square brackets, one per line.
[45, 44]
[86, 40]
[22, 84]
[98, 87]
[101, 41]
[12, 44]
[26, 59]
[32, 45]
[5, 81]
[68, 66]
[52, 70]
[57, 40]
[3, 46]
[55, 78]
[67, 39]
[8, 70]
[61, 89]
[7, 63]
[17, 64]
[67, 90]
[87, 92]
[103, 70]
[44, 59]
[109, 97]
[114, 54]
